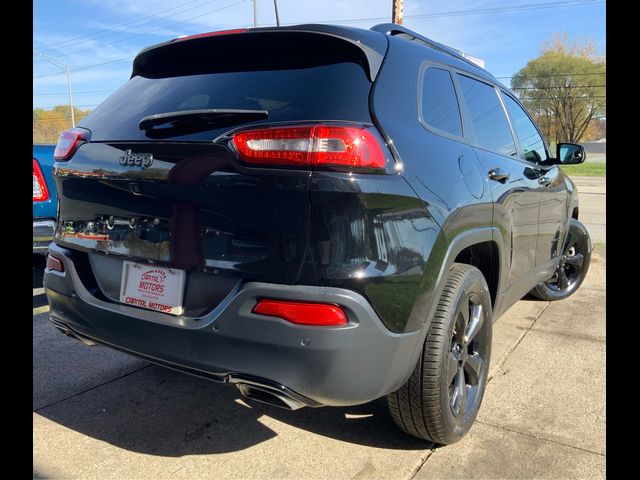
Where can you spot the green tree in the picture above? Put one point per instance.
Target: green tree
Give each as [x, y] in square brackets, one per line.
[47, 124]
[563, 88]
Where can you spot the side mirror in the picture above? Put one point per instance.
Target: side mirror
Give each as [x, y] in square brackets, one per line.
[570, 154]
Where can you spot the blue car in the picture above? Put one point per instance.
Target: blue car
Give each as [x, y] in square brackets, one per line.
[45, 199]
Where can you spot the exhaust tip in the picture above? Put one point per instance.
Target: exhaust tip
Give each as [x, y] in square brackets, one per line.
[63, 328]
[267, 395]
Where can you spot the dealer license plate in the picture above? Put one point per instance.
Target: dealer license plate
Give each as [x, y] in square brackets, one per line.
[152, 287]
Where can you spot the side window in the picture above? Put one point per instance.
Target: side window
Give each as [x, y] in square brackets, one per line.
[530, 140]
[488, 117]
[439, 102]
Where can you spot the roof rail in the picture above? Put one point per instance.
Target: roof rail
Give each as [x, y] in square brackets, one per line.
[394, 29]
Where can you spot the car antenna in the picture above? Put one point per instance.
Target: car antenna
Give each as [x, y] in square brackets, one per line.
[275, 6]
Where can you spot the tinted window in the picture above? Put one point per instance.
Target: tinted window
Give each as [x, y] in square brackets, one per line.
[530, 140]
[338, 91]
[487, 114]
[439, 103]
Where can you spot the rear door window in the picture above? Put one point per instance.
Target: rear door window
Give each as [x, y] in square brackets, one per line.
[488, 117]
[439, 104]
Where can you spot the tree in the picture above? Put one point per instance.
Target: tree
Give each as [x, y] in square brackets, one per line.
[47, 124]
[597, 130]
[563, 88]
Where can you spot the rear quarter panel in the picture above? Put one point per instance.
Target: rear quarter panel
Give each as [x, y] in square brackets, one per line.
[445, 174]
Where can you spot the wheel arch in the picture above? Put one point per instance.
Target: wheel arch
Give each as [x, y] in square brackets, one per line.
[486, 258]
[459, 244]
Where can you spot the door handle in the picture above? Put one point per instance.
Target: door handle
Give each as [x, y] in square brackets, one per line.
[498, 175]
[545, 181]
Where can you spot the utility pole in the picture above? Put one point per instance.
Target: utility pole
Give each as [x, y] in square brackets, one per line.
[255, 13]
[64, 67]
[275, 5]
[396, 11]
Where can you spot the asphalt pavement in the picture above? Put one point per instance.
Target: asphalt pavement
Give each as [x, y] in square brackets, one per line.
[103, 414]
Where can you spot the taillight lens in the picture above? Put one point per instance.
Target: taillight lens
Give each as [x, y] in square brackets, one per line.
[311, 146]
[40, 191]
[69, 141]
[300, 313]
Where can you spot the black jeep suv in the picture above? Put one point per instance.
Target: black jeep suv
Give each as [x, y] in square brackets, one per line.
[318, 215]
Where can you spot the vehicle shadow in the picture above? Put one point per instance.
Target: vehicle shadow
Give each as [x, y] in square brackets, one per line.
[161, 412]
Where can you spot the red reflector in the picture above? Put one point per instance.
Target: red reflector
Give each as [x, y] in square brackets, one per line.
[315, 314]
[40, 192]
[313, 146]
[54, 263]
[69, 141]
[210, 34]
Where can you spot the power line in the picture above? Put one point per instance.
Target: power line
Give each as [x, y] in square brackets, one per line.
[153, 30]
[121, 60]
[513, 8]
[72, 41]
[475, 11]
[425, 15]
[87, 67]
[559, 87]
[559, 75]
[565, 96]
[58, 24]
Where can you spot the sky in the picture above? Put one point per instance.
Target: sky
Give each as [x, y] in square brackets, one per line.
[98, 39]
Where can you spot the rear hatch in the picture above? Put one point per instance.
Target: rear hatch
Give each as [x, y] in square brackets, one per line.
[176, 194]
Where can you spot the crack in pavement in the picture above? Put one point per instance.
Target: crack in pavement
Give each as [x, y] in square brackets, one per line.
[500, 427]
[512, 349]
[423, 459]
[91, 388]
[420, 463]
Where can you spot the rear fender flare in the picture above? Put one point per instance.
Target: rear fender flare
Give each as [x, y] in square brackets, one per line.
[456, 245]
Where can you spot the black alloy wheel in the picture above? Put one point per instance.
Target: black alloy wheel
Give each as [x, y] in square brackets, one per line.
[442, 397]
[572, 268]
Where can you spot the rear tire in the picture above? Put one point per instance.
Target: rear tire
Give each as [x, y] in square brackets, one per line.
[573, 266]
[441, 399]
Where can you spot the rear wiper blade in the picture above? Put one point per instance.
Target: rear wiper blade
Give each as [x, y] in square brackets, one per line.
[209, 117]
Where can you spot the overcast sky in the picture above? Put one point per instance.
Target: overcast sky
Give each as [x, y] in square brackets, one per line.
[105, 35]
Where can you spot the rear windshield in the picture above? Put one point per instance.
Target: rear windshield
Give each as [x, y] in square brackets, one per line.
[334, 91]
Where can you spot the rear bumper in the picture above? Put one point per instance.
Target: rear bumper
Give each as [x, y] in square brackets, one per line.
[43, 230]
[318, 366]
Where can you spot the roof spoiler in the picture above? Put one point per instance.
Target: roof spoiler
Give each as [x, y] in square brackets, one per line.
[372, 45]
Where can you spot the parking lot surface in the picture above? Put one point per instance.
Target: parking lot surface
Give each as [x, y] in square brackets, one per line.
[103, 414]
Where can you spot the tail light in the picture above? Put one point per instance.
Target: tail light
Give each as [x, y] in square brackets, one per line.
[315, 146]
[40, 191]
[69, 141]
[313, 314]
